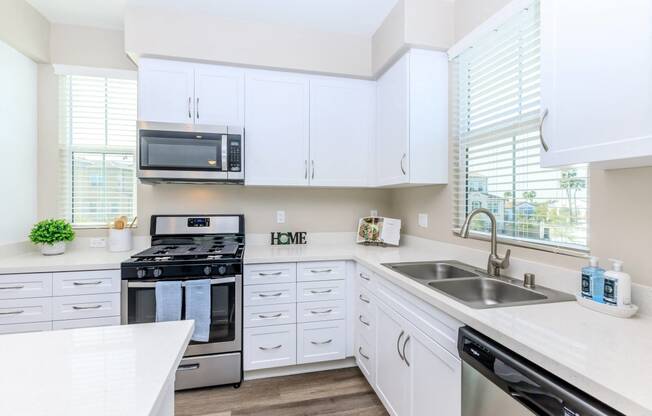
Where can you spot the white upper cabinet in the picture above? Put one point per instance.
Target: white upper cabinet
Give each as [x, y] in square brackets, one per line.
[412, 120]
[596, 63]
[219, 95]
[166, 91]
[342, 116]
[277, 129]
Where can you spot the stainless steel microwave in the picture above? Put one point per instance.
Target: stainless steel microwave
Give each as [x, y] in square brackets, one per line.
[170, 152]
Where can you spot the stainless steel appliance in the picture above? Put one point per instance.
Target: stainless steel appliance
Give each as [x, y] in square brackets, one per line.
[497, 381]
[169, 152]
[186, 247]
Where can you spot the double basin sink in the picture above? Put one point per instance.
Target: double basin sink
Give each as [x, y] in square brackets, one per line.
[475, 288]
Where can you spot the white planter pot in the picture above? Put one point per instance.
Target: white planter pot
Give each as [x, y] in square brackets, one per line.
[53, 249]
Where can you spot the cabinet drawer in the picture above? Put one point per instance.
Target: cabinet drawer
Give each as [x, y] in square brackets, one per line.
[19, 286]
[86, 323]
[86, 283]
[325, 310]
[321, 341]
[18, 311]
[21, 328]
[270, 294]
[365, 304]
[365, 357]
[256, 274]
[270, 346]
[86, 306]
[321, 270]
[326, 290]
[364, 277]
[265, 315]
[365, 324]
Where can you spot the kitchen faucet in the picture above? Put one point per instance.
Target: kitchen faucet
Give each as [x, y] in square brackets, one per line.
[495, 262]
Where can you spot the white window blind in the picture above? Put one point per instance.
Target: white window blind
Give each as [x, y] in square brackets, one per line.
[496, 113]
[97, 149]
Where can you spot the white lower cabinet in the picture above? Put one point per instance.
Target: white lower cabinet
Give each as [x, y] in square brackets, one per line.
[86, 306]
[270, 346]
[365, 357]
[321, 341]
[21, 328]
[86, 323]
[18, 311]
[326, 310]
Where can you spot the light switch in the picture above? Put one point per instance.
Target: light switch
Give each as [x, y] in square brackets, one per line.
[423, 220]
[280, 217]
[374, 212]
[98, 242]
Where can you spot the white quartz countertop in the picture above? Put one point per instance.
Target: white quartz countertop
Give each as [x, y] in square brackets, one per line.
[604, 356]
[116, 370]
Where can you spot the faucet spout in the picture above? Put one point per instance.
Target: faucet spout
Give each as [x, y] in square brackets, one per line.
[495, 262]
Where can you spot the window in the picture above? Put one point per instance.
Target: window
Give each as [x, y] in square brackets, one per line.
[496, 127]
[97, 148]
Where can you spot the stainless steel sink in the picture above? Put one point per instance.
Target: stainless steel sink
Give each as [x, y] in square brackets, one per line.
[474, 288]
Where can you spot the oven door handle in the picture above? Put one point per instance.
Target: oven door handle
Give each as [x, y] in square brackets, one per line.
[145, 285]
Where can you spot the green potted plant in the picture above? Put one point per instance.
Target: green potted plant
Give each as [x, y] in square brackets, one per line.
[52, 235]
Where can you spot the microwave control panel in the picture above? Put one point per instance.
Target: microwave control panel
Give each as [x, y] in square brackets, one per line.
[234, 149]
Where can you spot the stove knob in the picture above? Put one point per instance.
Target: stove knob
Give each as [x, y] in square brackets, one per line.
[140, 273]
[221, 270]
[158, 272]
[208, 270]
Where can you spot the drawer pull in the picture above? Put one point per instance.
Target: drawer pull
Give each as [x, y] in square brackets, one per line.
[13, 287]
[321, 271]
[97, 282]
[188, 367]
[320, 312]
[362, 275]
[86, 307]
[328, 341]
[275, 295]
[320, 292]
[276, 315]
[271, 348]
[365, 300]
[363, 321]
[270, 274]
[18, 312]
[362, 354]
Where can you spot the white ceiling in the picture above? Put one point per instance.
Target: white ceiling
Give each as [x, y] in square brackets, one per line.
[341, 16]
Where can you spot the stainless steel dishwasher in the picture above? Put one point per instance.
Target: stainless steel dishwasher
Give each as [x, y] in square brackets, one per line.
[497, 381]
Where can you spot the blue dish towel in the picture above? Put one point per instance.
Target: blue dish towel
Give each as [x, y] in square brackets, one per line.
[168, 301]
[198, 307]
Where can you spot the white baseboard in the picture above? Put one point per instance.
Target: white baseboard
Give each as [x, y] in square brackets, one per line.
[299, 369]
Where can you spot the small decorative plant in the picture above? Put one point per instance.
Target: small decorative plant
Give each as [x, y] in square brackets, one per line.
[52, 235]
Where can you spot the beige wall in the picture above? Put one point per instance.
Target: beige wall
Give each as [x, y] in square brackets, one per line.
[85, 46]
[388, 42]
[24, 29]
[470, 13]
[212, 38]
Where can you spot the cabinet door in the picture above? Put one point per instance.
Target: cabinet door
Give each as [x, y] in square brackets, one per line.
[392, 373]
[596, 79]
[342, 115]
[219, 95]
[165, 91]
[277, 129]
[393, 125]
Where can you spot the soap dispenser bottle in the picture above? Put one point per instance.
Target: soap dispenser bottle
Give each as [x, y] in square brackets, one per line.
[593, 280]
[617, 285]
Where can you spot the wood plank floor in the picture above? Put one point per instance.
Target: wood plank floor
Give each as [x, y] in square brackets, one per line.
[342, 392]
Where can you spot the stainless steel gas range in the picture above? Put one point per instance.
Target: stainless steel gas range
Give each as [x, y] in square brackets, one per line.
[187, 247]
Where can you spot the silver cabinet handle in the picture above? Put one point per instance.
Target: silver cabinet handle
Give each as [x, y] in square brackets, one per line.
[402, 159]
[276, 315]
[362, 275]
[188, 367]
[262, 295]
[313, 169]
[321, 312]
[398, 348]
[328, 341]
[12, 287]
[97, 282]
[305, 169]
[271, 348]
[197, 109]
[189, 107]
[365, 300]
[362, 354]
[405, 356]
[543, 142]
[320, 292]
[321, 271]
[270, 274]
[86, 307]
[18, 312]
[363, 321]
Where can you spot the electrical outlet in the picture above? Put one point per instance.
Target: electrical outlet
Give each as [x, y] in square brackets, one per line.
[98, 242]
[423, 220]
[280, 217]
[374, 212]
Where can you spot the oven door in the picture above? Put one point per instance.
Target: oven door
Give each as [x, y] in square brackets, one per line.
[225, 335]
